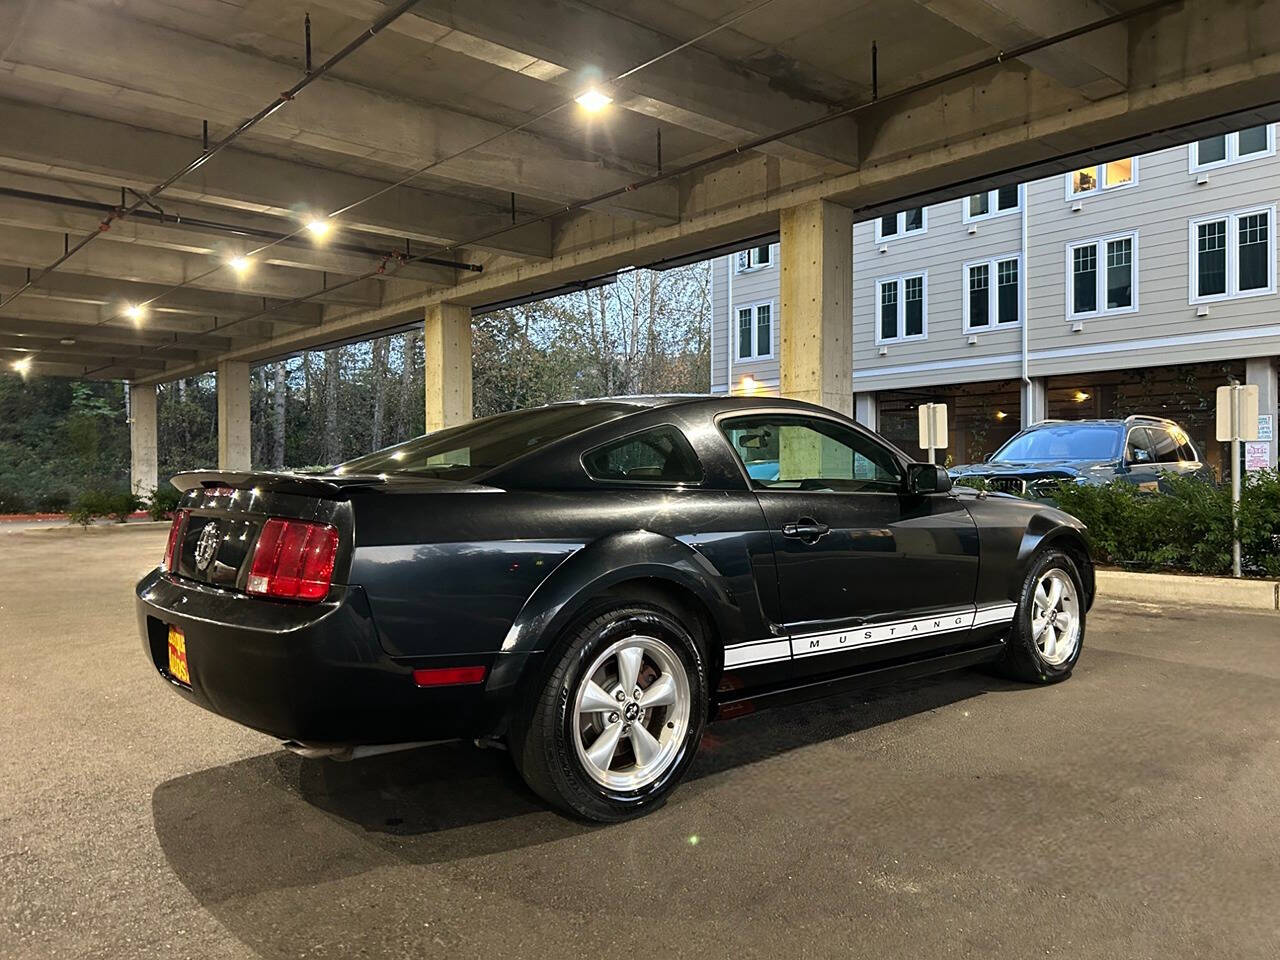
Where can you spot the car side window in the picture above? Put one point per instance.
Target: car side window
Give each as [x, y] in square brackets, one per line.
[1163, 446]
[790, 452]
[1186, 452]
[659, 455]
[1137, 448]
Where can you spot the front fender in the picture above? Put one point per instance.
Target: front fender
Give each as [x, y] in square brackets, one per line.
[1054, 527]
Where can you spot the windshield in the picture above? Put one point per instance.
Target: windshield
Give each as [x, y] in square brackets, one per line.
[466, 451]
[1067, 441]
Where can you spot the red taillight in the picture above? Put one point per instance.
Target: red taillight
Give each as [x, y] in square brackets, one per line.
[175, 537]
[293, 560]
[448, 676]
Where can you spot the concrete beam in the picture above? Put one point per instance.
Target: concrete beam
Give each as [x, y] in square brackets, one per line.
[176, 345]
[334, 114]
[694, 89]
[144, 460]
[234, 433]
[446, 348]
[187, 236]
[35, 248]
[815, 304]
[142, 358]
[75, 371]
[70, 146]
[1097, 64]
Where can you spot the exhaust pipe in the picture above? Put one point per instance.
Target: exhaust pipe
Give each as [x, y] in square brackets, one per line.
[344, 752]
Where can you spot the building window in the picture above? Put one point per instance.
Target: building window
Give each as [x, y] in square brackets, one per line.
[1102, 277]
[1237, 147]
[1103, 176]
[903, 310]
[755, 332]
[993, 293]
[993, 203]
[753, 258]
[1233, 255]
[904, 223]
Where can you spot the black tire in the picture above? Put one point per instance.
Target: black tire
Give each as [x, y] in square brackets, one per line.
[543, 736]
[1023, 659]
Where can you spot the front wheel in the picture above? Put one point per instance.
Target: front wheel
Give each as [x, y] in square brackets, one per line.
[616, 721]
[1048, 630]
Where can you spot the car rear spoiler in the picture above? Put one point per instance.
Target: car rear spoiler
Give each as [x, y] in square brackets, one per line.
[324, 486]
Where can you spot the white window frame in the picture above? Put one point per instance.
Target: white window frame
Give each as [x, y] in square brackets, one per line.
[1100, 246]
[993, 300]
[903, 233]
[992, 212]
[1232, 153]
[1103, 186]
[754, 307]
[1232, 217]
[751, 254]
[901, 281]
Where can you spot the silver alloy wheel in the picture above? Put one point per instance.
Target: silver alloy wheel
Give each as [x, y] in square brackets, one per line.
[1055, 617]
[631, 713]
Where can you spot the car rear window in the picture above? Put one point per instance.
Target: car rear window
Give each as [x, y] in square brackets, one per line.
[1067, 441]
[469, 450]
[658, 455]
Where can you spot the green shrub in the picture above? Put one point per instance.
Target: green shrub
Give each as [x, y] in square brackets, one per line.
[164, 500]
[96, 503]
[1186, 525]
[11, 501]
[122, 505]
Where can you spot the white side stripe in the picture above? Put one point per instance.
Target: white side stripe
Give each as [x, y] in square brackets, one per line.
[772, 650]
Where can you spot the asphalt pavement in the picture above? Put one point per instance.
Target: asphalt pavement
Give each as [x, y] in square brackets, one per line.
[1130, 812]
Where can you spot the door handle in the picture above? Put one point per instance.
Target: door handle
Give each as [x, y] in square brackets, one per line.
[806, 528]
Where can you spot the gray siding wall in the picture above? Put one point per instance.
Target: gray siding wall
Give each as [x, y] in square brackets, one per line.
[1165, 329]
[748, 288]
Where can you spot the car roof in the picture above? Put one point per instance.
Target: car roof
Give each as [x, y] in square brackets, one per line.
[1105, 421]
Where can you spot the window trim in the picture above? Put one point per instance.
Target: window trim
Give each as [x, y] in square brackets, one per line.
[900, 279]
[903, 233]
[1099, 243]
[992, 294]
[754, 306]
[992, 213]
[1232, 157]
[1232, 218]
[752, 264]
[1103, 186]
[702, 470]
[897, 455]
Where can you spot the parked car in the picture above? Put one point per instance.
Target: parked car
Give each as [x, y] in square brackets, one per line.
[592, 582]
[1137, 449]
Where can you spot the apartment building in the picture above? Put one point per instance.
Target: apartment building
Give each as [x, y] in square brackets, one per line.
[1137, 286]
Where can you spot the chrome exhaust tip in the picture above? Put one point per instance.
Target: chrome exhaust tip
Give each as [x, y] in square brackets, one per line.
[347, 751]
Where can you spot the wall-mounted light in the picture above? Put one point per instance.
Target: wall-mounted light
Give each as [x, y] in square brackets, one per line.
[1080, 396]
[747, 385]
[593, 100]
[1000, 414]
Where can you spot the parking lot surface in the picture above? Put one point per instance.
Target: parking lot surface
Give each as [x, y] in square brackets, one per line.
[1127, 813]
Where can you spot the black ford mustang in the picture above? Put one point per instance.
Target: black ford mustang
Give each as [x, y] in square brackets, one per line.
[593, 582]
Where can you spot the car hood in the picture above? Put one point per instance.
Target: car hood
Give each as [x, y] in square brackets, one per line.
[1015, 468]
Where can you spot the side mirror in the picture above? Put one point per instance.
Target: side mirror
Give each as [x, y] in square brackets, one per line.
[927, 478]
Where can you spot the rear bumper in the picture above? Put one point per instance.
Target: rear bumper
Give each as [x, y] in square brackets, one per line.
[308, 672]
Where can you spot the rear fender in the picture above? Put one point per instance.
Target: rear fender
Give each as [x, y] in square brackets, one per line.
[593, 570]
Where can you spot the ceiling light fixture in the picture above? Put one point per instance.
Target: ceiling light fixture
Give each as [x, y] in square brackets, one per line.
[23, 365]
[68, 341]
[319, 227]
[136, 312]
[593, 100]
[240, 265]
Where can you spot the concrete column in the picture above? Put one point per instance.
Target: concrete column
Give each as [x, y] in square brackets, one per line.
[1032, 402]
[233, 416]
[1262, 372]
[866, 410]
[447, 349]
[144, 466]
[815, 309]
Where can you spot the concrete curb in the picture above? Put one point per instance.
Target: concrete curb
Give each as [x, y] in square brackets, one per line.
[93, 530]
[1173, 588]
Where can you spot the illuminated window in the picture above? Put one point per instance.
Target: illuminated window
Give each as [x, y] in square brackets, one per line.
[1103, 176]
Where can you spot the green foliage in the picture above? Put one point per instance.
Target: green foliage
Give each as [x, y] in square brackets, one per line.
[164, 500]
[1184, 526]
[92, 504]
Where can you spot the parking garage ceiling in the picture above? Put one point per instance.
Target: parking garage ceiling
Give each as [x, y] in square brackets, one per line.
[444, 156]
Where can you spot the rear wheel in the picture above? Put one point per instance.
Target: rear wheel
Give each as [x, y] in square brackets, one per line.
[617, 717]
[1048, 630]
